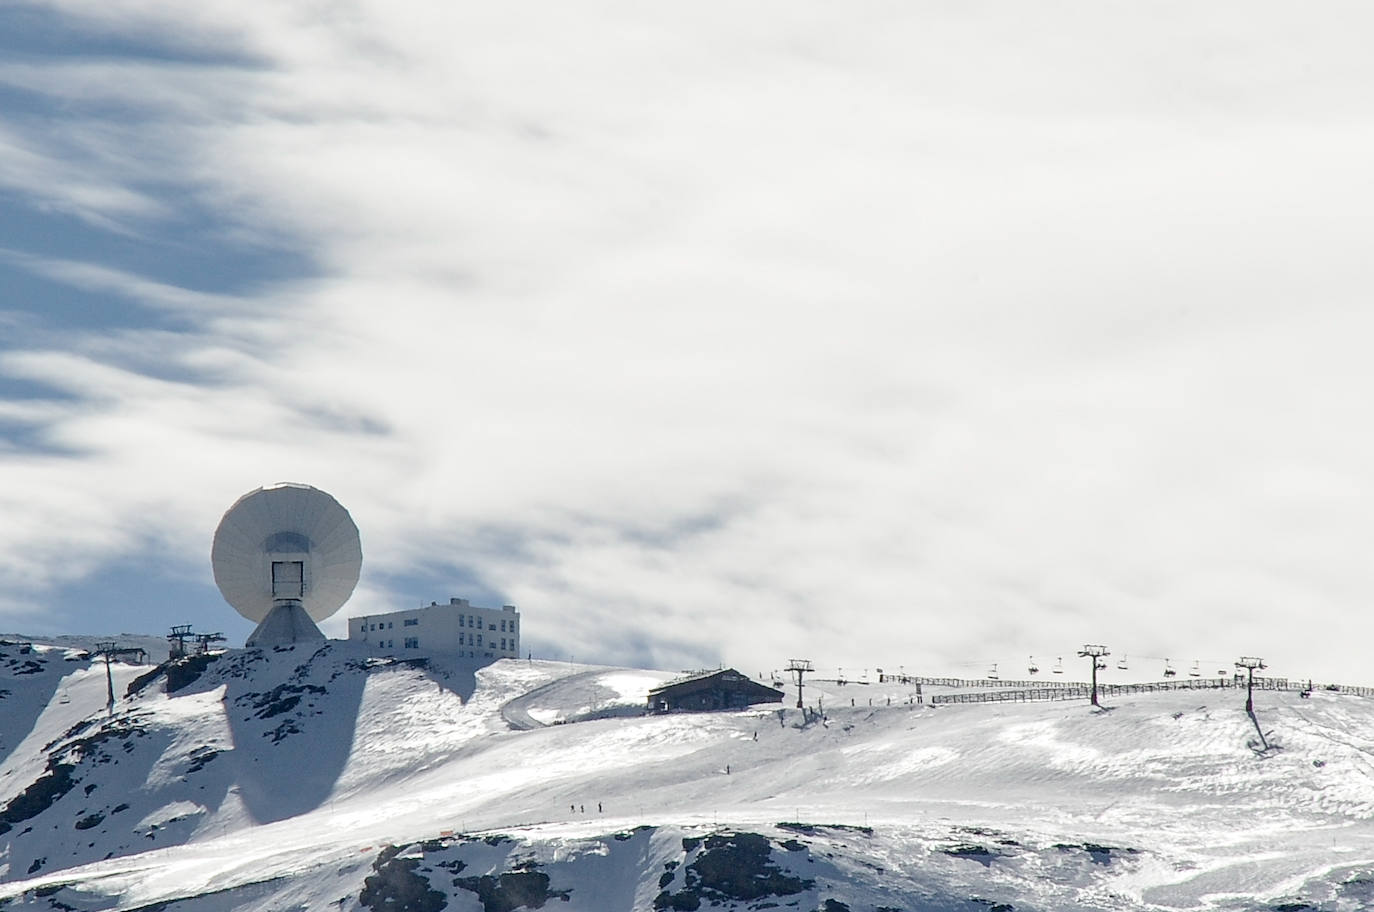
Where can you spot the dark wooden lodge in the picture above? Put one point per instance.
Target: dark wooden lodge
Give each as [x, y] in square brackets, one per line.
[711, 690]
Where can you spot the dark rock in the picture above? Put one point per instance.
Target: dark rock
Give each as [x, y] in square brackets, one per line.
[681, 901]
[281, 699]
[812, 829]
[38, 797]
[511, 890]
[395, 887]
[978, 853]
[138, 684]
[200, 757]
[1100, 854]
[731, 866]
[282, 731]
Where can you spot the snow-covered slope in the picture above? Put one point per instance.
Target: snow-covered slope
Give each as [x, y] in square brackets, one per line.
[301, 779]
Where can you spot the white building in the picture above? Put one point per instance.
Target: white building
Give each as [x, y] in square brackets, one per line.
[457, 628]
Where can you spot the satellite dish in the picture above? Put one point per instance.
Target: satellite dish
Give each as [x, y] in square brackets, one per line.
[286, 556]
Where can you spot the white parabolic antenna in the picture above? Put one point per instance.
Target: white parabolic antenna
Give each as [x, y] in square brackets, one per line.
[286, 556]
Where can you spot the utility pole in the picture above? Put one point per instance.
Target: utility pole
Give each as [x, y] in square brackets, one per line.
[1095, 654]
[1250, 663]
[799, 667]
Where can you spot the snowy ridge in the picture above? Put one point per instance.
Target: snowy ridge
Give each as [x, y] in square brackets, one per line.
[316, 779]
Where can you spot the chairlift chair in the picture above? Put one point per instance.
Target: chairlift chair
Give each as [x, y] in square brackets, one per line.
[1195, 671]
[992, 672]
[1168, 669]
[1122, 665]
[1058, 666]
[1032, 667]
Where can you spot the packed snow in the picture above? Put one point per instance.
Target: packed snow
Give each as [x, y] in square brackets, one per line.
[298, 778]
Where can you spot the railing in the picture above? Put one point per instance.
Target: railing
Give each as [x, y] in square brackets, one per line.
[1083, 691]
[975, 682]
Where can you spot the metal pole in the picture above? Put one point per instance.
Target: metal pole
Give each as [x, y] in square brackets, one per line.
[109, 687]
[1093, 653]
[1250, 663]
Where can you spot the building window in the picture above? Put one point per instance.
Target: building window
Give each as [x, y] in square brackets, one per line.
[389, 625]
[479, 639]
[410, 622]
[412, 643]
[503, 643]
[373, 627]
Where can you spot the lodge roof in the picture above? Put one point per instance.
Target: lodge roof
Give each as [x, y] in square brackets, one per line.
[699, 678]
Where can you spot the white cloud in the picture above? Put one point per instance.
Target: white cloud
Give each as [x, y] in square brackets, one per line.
[887, 336]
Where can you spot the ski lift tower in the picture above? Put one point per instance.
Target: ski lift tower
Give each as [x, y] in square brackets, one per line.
[204, 640]
[110, 650]
[177, 640]
[1095, 653]
[1250, 663]
[799, 667]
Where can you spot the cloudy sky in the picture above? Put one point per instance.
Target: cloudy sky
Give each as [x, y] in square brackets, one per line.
[925, 334]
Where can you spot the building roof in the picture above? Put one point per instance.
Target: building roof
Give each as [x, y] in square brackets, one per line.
[699, 678]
